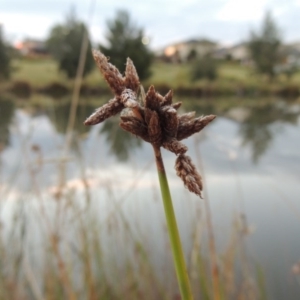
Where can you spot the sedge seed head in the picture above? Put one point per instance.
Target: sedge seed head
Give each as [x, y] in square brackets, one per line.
[154, 119]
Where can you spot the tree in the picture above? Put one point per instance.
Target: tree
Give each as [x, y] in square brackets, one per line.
[124, 40]
[192, 55]
[64, 43]
[5, 67]
[264, 46]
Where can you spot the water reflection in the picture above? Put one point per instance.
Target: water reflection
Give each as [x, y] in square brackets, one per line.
[258, 131]
[259, 121]
[59, 116]
[120, 142]
[7, 108]
[254, 124]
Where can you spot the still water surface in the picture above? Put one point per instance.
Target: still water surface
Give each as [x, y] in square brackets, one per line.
[249, 157]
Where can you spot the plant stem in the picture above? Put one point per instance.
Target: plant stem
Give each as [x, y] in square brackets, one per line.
[178, 258]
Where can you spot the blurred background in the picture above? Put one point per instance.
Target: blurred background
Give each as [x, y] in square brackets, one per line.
[80, 207]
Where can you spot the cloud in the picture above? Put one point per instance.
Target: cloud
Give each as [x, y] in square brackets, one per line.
[164, 21]
[236, 10]
[30, 24]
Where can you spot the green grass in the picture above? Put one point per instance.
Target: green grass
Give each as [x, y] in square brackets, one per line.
[39, 73]
[235, 72]
[177, 75]
[232, 79]
[169, 74]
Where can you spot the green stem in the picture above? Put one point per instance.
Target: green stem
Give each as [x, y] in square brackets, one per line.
[178, 258]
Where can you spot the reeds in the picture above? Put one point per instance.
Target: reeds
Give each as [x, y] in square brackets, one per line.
[154, 118]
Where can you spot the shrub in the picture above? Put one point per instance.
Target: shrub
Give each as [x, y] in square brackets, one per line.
[204, 67]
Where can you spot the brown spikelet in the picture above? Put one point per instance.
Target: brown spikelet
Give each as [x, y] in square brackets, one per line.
[186, 170]
[141, 95]
[113, 107]
[186, 117]
[167, 99]
[174, 146]
[169, 120]
[154, 129]
[152, 100]
[176, 105]
[187, 129]
[128, 98]
[148, 114]
[111, 74]
[160, 98]
[131, 76]
[135, 126]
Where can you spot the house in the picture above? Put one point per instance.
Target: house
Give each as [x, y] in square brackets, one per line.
[290, 59]
[221, 53]
[292, 54]
[239, 53]
[32, 48]
[183, 51]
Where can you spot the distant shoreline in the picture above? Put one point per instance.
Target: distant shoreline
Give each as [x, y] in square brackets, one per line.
[43, 77]
[56, 89]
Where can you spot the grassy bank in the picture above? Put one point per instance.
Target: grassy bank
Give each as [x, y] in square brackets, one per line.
[43, 76]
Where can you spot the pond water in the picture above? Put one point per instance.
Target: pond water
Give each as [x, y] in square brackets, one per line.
[249, 157]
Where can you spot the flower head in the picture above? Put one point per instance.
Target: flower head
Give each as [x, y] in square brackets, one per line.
[156, 120]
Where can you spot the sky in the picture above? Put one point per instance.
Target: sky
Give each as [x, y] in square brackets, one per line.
[164, 21]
